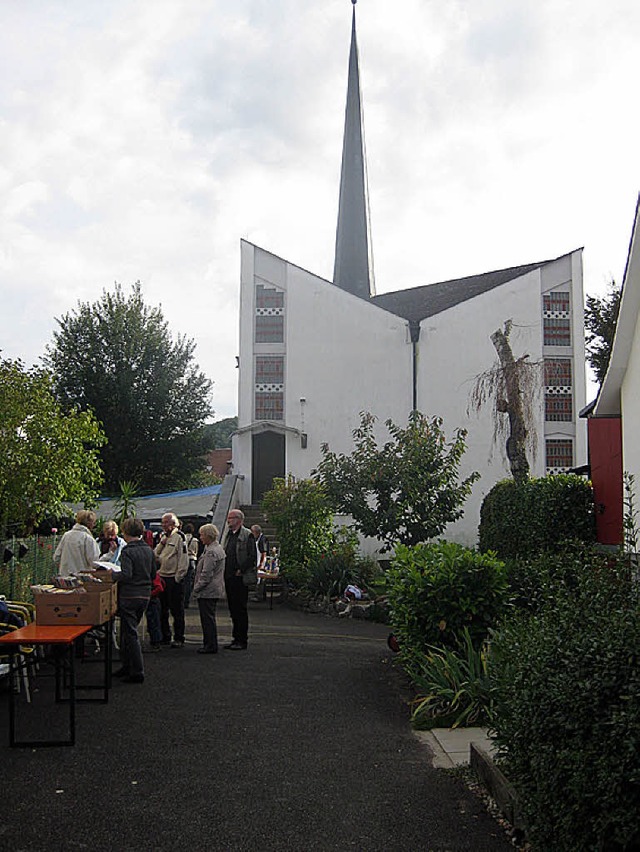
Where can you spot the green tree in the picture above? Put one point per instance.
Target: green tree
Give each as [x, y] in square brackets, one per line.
[117, 358]
[600, 318]
[302, 516]
[48, 456]
[217, 435]
[405, 491]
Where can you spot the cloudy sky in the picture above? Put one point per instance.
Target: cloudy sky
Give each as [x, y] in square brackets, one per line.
[142, 139]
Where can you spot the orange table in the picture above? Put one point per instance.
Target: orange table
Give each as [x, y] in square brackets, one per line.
[63, 638]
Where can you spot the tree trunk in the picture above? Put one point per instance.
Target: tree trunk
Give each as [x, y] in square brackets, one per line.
[512, 406]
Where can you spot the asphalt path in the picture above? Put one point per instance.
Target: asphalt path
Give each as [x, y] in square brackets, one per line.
[301, 742]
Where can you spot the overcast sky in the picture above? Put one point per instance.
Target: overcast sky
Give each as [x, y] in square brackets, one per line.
[143, 140]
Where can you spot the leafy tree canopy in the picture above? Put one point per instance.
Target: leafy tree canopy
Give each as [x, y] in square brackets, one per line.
[117, 358]
[48, 456]
[600, 318]
[405, 491]
[217, 435]
[303, 519]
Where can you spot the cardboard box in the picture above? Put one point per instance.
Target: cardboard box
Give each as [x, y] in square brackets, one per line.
[93, 588]
[104, 574]
[75, 608]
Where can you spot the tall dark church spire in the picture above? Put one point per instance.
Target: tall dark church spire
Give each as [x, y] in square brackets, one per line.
[353, 270]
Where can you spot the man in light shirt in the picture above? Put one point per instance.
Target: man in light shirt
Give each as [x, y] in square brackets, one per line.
[77, 549]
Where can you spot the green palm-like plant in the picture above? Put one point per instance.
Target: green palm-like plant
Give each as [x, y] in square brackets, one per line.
[125, 505]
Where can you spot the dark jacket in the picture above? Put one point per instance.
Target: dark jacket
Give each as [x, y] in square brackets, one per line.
[138, 568]
[241, 553]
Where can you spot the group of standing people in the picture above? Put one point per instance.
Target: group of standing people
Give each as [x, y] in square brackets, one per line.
[152, 580]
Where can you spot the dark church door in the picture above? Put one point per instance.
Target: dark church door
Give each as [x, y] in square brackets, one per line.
[267, 462]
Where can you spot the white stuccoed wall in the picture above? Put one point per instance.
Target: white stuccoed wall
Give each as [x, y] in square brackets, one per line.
[630, 400]
[455, 347]
[343, 356]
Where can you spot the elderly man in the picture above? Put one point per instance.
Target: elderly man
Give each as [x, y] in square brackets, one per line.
[173, 563]
[77, 549]
[239, 574]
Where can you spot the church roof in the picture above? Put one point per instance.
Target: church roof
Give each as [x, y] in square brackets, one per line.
[417, 303]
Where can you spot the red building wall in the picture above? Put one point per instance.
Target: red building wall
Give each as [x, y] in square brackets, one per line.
[219, 462]
[605, 459]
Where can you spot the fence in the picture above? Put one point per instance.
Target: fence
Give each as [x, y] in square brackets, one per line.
[18, 573]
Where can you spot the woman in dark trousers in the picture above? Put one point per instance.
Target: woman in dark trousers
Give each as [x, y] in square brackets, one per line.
[208, 586]
[138, 568]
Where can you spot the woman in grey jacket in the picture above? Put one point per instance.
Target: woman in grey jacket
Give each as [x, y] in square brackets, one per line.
[208, 586]
[138, 566]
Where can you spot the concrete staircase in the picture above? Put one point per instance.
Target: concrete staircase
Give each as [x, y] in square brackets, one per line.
[253, 515]
[272, 588]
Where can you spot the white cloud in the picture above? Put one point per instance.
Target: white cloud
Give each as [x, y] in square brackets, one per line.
[142, 141]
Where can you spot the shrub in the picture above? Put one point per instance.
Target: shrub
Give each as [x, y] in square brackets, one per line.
[453, 686]
[536, 516]
[566, 711]
[304, 524]
[436, 590]
[535, 579]
[340, 565]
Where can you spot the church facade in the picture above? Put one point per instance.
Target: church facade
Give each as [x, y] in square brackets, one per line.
[315, 353]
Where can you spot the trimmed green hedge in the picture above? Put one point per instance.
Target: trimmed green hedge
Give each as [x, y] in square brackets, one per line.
[436, 590]
[566, 709]
[536, 516]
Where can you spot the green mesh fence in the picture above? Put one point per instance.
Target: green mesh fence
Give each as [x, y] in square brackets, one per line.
[22, 568]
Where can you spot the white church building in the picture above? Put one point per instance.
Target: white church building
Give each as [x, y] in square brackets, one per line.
[316, 353]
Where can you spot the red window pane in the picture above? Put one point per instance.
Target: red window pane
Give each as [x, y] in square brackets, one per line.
[559, 453]
[269, 329]
[266, 299]
[269, 405]
[557, 372]
[557, 332]
[556, 301]
[558, 407]
[270, 369]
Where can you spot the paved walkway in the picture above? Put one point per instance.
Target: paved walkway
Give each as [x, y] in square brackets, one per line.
[450, 748]
[300, 743]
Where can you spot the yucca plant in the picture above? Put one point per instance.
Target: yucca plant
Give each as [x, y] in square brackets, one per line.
[453, 686]
[125, 505]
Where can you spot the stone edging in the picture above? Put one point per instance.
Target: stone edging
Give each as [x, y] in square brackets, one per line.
[498, 786]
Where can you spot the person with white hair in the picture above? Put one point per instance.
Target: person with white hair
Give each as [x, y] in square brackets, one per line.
[208, 586]
[239, 573]
[77, 549]
[173, 561]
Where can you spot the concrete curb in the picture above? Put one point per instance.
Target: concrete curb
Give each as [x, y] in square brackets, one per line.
[450, 747]
[472, 747]
[497, 785]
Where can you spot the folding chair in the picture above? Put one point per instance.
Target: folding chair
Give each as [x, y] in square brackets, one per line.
[22, 665]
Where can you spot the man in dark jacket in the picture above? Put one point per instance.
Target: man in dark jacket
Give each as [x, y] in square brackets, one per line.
[138, 568]
[239, 574]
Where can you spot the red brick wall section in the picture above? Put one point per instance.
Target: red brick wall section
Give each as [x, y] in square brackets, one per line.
[218, 461]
